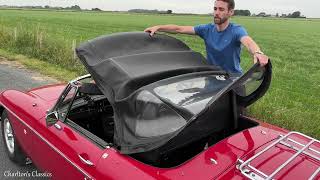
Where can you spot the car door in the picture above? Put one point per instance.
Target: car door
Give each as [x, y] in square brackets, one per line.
[64, 151]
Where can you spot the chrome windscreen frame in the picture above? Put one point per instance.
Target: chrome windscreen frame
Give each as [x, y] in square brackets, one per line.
[73, 82]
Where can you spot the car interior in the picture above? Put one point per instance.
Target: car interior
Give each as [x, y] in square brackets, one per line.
[95, 114]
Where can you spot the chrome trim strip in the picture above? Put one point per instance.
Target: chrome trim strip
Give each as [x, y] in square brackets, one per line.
[48, 143]
[80, 78]
[315, 174]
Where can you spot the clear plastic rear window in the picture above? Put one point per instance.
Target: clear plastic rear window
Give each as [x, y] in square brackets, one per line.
[155, 118]
[193, 94]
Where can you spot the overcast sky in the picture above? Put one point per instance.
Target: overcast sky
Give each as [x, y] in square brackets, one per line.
[309, 8]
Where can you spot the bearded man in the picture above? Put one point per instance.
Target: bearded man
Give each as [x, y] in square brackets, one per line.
[222, 38]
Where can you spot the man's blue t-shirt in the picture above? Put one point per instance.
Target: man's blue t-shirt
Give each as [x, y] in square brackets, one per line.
[224, 47]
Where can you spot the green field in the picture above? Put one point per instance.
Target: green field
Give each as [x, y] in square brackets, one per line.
[293, 101]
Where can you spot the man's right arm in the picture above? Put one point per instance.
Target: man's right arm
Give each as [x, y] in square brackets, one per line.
[171, 28]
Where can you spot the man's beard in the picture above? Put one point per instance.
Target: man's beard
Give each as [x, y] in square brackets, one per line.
[220, 21]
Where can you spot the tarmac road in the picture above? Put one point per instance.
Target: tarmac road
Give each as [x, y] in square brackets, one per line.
[15, 76]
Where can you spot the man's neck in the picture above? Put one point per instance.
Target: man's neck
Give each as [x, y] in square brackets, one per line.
[222, 27]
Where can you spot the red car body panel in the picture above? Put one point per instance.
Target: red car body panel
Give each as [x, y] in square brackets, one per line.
[225, 153]
[57, 151]
[49, 92]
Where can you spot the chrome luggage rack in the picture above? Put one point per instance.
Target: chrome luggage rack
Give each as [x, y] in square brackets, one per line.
[254, 173]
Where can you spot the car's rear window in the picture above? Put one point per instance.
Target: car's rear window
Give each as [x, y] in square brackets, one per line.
[194, 93]
[154, 118]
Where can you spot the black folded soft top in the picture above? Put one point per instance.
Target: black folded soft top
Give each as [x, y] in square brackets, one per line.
[123, 62]
[144, 77]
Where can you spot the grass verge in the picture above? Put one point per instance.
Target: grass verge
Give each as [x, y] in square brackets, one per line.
[45, 68]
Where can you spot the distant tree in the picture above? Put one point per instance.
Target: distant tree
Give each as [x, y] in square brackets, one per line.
[96, 9]
[169, 12]
[296, 14]
[46, 6]
[242, 13]
[277, 15]
[247, 13]
[154, 11]
[75, 7]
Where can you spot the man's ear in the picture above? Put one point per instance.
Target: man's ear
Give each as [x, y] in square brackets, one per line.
[231, 11]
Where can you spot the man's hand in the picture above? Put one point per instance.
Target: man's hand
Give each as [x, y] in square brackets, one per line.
[152, 30]
[254, 49]
[263, 59]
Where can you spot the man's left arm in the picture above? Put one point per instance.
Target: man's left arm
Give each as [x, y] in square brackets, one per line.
[254, 49]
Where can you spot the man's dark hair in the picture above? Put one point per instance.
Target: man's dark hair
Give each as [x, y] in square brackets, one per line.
[231, 3]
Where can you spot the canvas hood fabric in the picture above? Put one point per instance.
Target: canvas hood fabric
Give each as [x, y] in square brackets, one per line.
[123, 65]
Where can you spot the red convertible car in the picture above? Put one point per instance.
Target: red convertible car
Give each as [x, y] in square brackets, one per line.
[151, 108]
